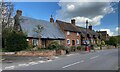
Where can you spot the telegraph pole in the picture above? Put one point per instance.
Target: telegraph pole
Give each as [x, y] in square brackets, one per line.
[86, 35]
[86, 28]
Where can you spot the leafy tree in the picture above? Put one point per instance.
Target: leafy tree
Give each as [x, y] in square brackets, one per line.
[38, 29]
[15, 41]
[102, 42]
[112, 41]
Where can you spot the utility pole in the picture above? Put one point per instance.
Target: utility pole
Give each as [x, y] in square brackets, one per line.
[86, 29]
[86, 36]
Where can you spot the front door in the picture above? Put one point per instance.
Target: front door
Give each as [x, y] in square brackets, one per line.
[43, 43]
[73, 42]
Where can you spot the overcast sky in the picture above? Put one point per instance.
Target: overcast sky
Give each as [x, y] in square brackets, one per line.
[102, 15]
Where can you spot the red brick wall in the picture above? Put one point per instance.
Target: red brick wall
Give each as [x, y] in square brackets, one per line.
[72, 36]
[30, 41]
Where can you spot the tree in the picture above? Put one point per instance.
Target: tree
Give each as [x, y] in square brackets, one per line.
[38, 29]
[102, 42]
[6, 11]
[112, 41]
[15, 41]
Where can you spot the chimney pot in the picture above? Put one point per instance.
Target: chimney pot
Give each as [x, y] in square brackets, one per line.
[73, 21]
[51, 19]
[19, 12]
[90, 27]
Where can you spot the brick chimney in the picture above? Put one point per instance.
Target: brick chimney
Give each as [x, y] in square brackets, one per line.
[73, 21]
[51, 19]
[19, 12]
[90, 27]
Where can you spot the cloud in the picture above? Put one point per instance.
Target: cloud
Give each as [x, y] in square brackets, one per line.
[108, 31]
[117, 31]
[93, 11]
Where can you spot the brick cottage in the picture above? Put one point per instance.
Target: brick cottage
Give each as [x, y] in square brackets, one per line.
[67, 34]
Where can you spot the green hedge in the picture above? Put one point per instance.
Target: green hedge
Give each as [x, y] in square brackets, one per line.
[15, 41]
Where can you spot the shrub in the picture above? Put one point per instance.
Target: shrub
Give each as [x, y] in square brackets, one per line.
[53, 45]
[68, 50]
[73, 48]
[79, 47]
[15, 41]
[82, 47]
[61, 47]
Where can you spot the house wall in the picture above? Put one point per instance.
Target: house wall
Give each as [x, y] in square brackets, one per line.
[61, 42]
[44, 43]
[72, 36]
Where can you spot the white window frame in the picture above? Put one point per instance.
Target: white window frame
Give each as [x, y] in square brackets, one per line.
[35, 42]
[68, 32]
[68, 41]
[77, 34]
[77, 41]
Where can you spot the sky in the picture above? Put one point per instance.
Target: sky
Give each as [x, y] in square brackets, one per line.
[103, 16]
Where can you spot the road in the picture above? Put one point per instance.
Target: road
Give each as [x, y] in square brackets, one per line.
[99, 60]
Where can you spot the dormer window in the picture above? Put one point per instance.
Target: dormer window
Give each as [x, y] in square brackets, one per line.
[77, 34]
[68, 32]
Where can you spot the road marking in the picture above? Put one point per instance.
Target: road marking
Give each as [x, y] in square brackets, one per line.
[73, 64]
[23, 65]
[41, 61]
[56, 57]
[33, 63]
[94, 57]
[40, 57]
[69, 54]
[49, 60]
[10, 67]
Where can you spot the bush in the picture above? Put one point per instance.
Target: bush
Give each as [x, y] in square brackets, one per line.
[79, 47]
[73, 48]
[82, 47]
[53, 46]
[15, 41]
[61, 47]
[68, 50]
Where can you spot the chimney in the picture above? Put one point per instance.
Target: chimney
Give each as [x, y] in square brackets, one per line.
[51, 19]
[73, 21]
[90, 27]
[19, 12]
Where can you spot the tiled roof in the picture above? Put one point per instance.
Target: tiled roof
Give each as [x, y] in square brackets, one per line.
[67, 26]
[49, 30]
[72, 27]
[90, 32]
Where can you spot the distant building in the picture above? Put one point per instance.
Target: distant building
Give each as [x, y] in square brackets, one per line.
[104, 35]
[71, 32]
[75, 35]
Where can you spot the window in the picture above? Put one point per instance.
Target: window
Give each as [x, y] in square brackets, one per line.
[77, 34]
[77, 41]
[68, 32]
[35, 42]
[68, 41]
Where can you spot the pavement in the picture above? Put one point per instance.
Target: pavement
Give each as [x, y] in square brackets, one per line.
[99, 60]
